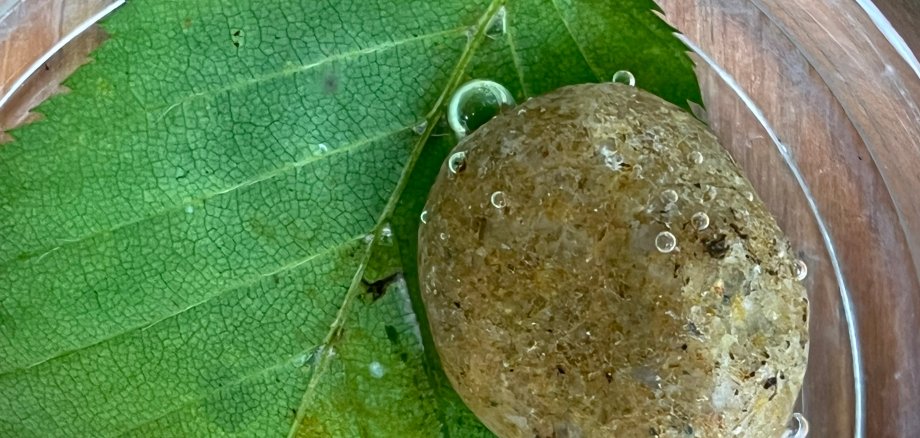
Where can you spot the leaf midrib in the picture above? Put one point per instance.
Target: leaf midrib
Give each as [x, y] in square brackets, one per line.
[431, 118]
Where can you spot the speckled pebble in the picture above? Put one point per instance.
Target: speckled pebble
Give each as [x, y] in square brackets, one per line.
[553, 306]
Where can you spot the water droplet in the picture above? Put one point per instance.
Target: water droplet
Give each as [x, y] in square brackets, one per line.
[801, 270]
[457, 162]
[498, 199]
[637, 169]
[700, 220]
[189, 209]
[749, 196]
[612, 158]
[300, 360]
[376, 369]
[624, 77]
[420, 128]
[695, 157]
[665, 242]
[710, 194]
[443, 236]
[386, 235]
[498, 24]
[424, 217]
[799, 429]
[669, 196]
[475, 103]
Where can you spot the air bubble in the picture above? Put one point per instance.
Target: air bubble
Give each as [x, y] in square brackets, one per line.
[498, 24]
[624, 77]
[189, 209]
[700, 220]
[801, 270]
[457, 162]
[386, 235]
[695, 157]
[800, 429]
[443, 236]
[475, 103]
[612, 158]
[420, 128]
[376, 369]
[749, 196]
[424, 217]
[710, 194]
[665, 242]
[669, 196]
[498, 199]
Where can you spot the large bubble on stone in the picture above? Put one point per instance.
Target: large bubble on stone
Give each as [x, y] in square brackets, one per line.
[594, 264]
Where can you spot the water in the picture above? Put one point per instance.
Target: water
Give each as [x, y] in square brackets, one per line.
[498, 25]
[386, 235]
[457, 162]
[799, 429]
[498, 199]
[420, 128]
[624, 77]
[475, 103]
[700, 220]
[665, 242]
[612, 158]
[376, 369]
[669, 196]
[801, 270]
[695, 157]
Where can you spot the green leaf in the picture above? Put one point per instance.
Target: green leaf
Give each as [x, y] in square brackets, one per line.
[184, 241]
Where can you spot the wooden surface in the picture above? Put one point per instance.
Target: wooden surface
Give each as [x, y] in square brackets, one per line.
[845, 104]
[837, 94]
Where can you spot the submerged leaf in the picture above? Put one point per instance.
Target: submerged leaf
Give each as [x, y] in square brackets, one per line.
[184, 238]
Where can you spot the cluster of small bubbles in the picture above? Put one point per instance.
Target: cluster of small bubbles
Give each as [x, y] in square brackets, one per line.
[421, 127]
[424, 217]
[700, 220]
[457, 162]
[695, 157]
[624, 77]
[498, 199]
[665, 242]
[612, 158]
[800, 429]
[801, 270]
[669, 196]
[386, 234]
[749, 196]
[376, 369]
[474, 103]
